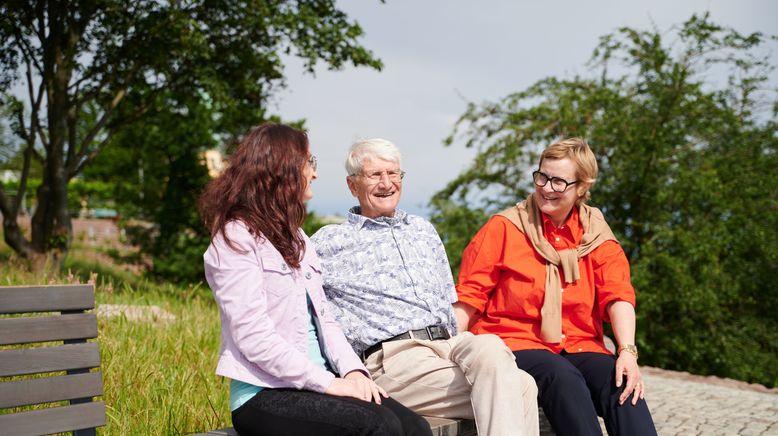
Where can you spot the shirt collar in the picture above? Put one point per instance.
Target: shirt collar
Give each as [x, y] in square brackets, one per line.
[572, 223]
[357, 220]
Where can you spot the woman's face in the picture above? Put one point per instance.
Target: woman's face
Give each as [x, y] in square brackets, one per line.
[309, 173]
[557, 205]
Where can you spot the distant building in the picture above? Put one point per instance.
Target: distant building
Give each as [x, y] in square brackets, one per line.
[331, 219]
[214, 162]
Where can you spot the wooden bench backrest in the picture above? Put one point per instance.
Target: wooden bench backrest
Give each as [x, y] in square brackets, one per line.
[33, 363]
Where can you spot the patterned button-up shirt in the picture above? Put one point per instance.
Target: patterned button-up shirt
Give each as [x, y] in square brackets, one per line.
[385, 276]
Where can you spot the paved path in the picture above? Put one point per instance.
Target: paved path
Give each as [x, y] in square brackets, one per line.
[690, 405]
[684, 404]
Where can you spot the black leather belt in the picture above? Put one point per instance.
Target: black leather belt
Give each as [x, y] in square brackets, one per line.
[431, 333]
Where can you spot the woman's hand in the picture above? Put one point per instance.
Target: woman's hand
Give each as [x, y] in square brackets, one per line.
[356, 385]
[627, 364]
[622, 316]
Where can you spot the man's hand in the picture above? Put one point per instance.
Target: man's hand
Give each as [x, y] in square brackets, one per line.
[356, 385]
[464, 315]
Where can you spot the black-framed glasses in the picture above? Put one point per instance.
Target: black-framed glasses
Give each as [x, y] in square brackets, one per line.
[395, 176]
[558, 184]
[313, 161]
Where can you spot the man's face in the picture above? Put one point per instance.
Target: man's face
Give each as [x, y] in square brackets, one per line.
[377, 187]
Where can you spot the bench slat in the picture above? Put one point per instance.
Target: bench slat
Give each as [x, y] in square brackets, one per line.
[46, 390]
[47, 328]
[21, 299]
[54, 419]
[447, 427]
[227, 431]
[439, 426]
[21, 361]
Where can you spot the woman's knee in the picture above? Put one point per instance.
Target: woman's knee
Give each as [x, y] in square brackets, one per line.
[415, 425]
[411, 424]
[550, 371]
[384, 422]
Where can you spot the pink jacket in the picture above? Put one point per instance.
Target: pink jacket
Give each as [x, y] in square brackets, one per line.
[264, 317]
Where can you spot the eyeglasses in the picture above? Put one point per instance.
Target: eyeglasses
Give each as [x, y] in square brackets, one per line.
[395, 176]
[557, 184]
[313, 161]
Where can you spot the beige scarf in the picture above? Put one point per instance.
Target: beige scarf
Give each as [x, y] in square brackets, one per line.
[526, 216]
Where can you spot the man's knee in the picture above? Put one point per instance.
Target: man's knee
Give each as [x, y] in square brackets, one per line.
[488, 347]
[528, 383]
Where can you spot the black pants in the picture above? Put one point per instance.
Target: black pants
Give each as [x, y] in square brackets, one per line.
[295, 412]
[575, 388]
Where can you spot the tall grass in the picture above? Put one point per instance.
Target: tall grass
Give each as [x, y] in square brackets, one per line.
[158, 375]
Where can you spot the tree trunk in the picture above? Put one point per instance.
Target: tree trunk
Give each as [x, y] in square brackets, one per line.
[52, 231]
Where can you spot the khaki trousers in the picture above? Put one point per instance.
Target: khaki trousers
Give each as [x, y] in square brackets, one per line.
[467, 376]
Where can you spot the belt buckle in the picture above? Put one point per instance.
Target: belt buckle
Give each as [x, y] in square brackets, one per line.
[429, 332]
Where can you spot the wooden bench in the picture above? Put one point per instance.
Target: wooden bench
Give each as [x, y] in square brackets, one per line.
[447, 427]
[35, 371]
[440, 427]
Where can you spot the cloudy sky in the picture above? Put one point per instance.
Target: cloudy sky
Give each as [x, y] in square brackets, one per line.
[440, 54]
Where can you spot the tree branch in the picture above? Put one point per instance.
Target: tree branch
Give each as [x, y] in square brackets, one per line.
[29, 52]
[84, 156]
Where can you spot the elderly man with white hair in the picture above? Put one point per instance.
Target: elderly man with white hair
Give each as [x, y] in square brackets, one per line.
[387, 275]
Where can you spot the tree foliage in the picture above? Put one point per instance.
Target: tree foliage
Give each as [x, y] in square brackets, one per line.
[92, 70]
[688, 183]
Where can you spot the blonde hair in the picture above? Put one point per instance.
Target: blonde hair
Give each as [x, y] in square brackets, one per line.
[578, 151]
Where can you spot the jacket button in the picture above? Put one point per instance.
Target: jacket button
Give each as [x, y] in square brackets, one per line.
[308, 275]
[283, 267]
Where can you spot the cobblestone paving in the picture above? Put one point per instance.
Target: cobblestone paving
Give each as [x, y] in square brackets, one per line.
[690, 405]
[683, 404]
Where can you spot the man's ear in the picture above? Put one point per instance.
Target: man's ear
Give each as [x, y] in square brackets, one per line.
[351, 186]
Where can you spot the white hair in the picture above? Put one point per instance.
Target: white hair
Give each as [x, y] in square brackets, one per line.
[376, 148]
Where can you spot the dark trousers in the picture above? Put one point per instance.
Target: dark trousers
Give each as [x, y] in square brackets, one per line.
[575, 388]
[295, 412]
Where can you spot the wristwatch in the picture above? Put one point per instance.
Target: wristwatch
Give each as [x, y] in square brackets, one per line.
[629, 348]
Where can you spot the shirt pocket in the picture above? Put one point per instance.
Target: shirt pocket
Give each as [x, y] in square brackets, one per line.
[278, 278]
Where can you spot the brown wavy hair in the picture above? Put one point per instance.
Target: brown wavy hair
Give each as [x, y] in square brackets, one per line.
[263, 187]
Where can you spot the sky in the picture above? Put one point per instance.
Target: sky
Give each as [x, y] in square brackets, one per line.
[439, 55]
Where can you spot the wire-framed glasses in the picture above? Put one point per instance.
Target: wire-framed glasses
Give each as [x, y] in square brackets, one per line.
[395, 176]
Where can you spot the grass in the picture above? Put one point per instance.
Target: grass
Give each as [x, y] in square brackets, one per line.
[158, 376]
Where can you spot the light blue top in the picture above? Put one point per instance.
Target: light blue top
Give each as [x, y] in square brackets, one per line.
[385, 276]
[240, 392]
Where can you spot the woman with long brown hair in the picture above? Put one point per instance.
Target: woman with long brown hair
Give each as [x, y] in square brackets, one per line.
[291, 369]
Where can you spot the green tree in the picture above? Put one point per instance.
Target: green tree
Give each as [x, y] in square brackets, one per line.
[156, 172]
[91, 70]
[688, 176]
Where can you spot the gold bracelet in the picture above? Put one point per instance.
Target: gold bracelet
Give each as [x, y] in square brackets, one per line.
[629, 348]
